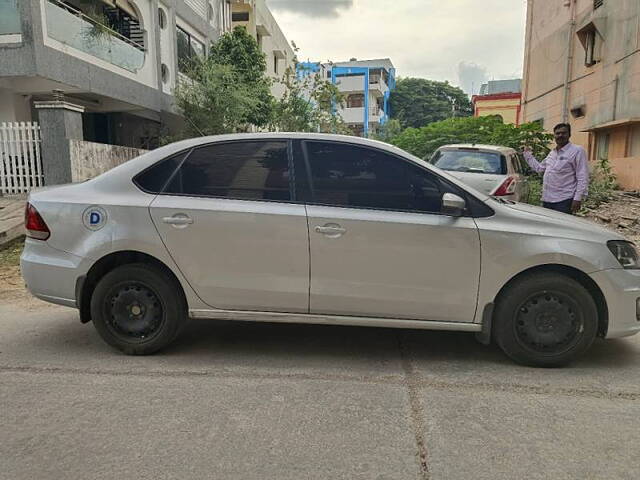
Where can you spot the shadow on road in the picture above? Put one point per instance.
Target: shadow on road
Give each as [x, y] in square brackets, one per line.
[334, 341]
[208, 342]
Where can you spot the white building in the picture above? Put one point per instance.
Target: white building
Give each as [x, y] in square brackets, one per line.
[121, 75]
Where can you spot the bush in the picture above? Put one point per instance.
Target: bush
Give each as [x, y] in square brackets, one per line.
[423, 141]
[602, 184]
[535, 190]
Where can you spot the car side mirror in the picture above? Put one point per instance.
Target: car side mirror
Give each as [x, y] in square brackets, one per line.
[453, 205]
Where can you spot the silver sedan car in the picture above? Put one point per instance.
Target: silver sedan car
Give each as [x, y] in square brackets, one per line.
[322, 229]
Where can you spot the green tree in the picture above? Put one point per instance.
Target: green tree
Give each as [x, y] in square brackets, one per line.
[241, 50]
[227, 91]
[391, 129]
[214, 101]
[422, 142]
[309, 103]
[417, 102]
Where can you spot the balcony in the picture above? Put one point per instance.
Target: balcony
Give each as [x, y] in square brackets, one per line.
[377, 84]
[78, 31]
[353, 115]
[9, 18]
[355, 83]
[356, 115]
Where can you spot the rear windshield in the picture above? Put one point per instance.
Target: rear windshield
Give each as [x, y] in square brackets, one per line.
[473, 161]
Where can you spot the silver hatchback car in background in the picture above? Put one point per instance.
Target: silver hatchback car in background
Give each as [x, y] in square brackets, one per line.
[322, 229]
[494, 170]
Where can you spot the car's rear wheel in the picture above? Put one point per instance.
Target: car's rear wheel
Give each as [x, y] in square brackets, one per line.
[545, 320]
[138, 309]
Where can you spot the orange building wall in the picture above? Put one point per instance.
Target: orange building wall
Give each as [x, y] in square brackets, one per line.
[608, 91]
[509, 110]
[507, 105]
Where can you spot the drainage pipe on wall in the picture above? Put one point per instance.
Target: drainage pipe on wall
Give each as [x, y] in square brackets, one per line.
[568, 71]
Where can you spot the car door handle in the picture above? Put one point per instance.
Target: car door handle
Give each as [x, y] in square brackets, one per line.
[330, 229]
[179, 219]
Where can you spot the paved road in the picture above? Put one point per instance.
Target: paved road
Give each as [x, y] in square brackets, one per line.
[264, 401]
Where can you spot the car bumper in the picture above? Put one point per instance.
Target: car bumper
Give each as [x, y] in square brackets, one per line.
[50, 274]
[621, 289]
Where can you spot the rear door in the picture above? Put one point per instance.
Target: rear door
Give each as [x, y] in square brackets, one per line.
[228, 219]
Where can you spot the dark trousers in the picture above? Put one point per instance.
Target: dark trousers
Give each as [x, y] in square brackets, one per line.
[564, 206]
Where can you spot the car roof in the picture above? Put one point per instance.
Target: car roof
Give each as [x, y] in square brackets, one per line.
[119, 177]
[282, 135]
[479, 146]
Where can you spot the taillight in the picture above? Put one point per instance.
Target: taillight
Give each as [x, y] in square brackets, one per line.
[34, 224]
[508, 187]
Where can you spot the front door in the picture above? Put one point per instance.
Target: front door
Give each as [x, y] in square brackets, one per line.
[379, 245]
[228, 221]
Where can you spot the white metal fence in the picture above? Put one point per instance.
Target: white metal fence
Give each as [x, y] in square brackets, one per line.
[20, 160]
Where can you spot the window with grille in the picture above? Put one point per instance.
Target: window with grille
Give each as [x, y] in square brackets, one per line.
[592, 44]
[355, 101]
[590, 49]
[240, 17]
[602, 140]
[635, 141]
[597, 3]
[188, 49]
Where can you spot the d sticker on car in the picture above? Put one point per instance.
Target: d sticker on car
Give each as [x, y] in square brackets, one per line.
[94, 217]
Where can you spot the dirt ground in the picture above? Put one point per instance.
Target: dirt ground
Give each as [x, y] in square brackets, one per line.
[621, 214]
[12, 288]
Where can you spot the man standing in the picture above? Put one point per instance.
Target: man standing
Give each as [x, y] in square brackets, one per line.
[566, 172]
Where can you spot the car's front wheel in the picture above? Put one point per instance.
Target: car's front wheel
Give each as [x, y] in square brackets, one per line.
[545, 320]
[138, 309]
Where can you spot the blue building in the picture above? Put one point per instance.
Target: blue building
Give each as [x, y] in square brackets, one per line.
[366, 85]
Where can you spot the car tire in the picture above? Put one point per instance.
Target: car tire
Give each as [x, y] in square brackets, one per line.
[138, 309]
[545, 320]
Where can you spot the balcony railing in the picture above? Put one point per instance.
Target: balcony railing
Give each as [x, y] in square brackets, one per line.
[9, 17]
[356, 114]
[377, 83]
[73, 28]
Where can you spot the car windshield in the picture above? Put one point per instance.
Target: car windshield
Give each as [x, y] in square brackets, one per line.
[473, 161]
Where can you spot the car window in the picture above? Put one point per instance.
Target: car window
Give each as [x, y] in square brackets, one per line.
[515, 161]
[526, 170]
[153, 179]
[242, 170]
[470, 160]
[352, 176]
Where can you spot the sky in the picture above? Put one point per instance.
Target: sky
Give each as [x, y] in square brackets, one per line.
[465, 42]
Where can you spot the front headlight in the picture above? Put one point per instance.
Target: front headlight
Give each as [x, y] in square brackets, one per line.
[625, 253]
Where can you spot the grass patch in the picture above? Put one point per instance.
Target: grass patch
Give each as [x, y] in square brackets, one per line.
[535, 190]
[10, 253]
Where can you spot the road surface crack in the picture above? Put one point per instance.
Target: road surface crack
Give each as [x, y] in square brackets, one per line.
[412, 383]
